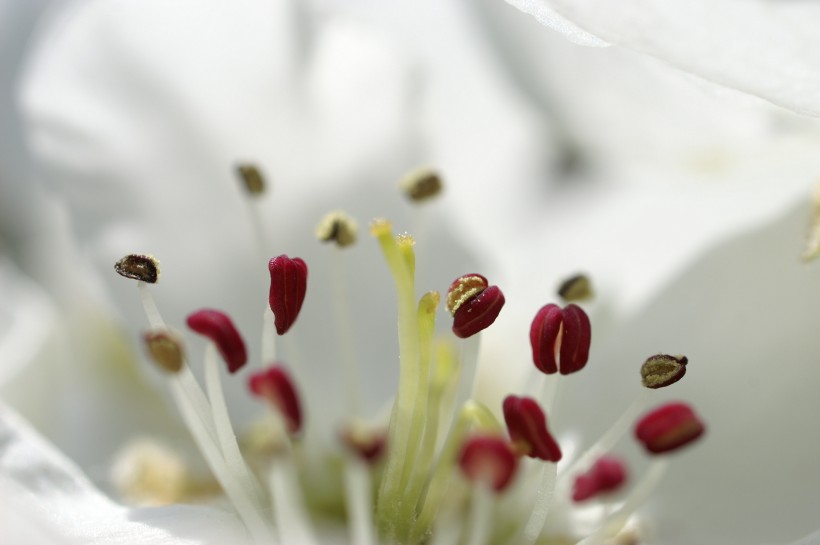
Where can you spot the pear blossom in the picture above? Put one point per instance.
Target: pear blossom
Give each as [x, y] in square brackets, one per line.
[142, 154]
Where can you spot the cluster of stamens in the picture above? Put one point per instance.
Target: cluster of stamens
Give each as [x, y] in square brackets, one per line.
[430, 432]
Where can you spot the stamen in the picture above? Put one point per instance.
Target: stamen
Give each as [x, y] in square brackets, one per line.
[251, 178]
[337, 227]
[812, 247]
[616, 521]
[527, 426]
[421, 185]
[490, 460]
[197, 414]
[218, 327]
[224, 430]
[661, 370]
[576, 288]
[275, 386]
[288, 504]
[560, 332]
[464, 288]
[541, 506]
[668, 428]
[147, 473]
[254, 185]
[288, 285]
[144, 268]
[165, 349]
[607, 475]
[359, 501]
[474, 304]
[365, 442]
[343, 230]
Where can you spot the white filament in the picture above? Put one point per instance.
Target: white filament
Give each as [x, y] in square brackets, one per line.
[543, 498]
[359, 501]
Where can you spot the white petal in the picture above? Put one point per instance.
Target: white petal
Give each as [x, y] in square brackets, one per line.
[745, 315]
[53, 502]
[762, 47]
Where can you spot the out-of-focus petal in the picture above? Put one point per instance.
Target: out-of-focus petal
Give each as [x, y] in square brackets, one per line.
[53, 502]
[763, 47]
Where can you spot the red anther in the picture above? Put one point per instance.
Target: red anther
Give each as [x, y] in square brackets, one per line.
[217, 326]
[288, 284]
[527, 426]
[668, 428]
[275, 386]
[606, 475]
[566, 332]
[368, 444]
[489, 459]
[478, 312]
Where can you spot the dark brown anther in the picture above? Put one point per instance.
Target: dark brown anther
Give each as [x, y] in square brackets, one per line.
[661, 370]
[144, 268]
[251, 177]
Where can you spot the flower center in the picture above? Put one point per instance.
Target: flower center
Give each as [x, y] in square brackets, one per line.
[445, 469]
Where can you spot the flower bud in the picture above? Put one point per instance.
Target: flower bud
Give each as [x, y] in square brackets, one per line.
[565, 333]
[288, 284]
[275, 386]
[488, 459]
[607, 475]
[669, 427]
[473, 304]
[527, 426]
[218, 327]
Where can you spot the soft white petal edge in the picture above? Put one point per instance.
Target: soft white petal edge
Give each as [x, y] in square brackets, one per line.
[766, 49]
[47, 499]
[26, 317]
[548, 17]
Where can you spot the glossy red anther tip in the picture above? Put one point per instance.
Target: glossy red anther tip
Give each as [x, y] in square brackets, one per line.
[275, 386]
[288, 284]
[488, 459]
[668, 427]
[478, 312]
[218, 327]
[560, 339]
[605, 476]
[527, 426]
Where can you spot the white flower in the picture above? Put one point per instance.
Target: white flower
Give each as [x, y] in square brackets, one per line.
[138, 112]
